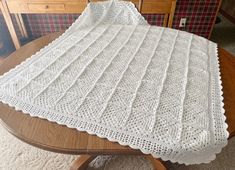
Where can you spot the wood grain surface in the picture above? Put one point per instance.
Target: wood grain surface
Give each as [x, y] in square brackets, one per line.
[227, 69]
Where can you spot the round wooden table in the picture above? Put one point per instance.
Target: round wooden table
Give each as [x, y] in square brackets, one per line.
[58, 138]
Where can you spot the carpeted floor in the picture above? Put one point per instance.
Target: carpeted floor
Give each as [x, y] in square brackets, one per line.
[17, 155]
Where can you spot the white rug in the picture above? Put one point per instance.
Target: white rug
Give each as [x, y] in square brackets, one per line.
[17, 155]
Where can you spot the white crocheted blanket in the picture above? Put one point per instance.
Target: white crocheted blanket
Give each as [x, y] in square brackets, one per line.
[151, 88]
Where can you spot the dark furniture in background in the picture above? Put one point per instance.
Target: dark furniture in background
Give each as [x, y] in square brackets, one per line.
[200, 16]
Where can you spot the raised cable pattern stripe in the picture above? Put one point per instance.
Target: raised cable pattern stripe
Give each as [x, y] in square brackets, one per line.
[97, 88]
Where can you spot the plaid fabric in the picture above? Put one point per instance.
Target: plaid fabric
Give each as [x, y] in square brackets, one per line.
[42, 24]
[154, 19]
[200, 15]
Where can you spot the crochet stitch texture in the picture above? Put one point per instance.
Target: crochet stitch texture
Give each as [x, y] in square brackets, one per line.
[152, 88]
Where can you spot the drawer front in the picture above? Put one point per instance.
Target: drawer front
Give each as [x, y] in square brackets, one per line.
[50, 6]
[46, 7]
[17, 7]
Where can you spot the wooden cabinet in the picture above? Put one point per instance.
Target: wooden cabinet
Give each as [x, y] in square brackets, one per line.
[46, 6]
[17, 7]
[156, 6]
[50, 6]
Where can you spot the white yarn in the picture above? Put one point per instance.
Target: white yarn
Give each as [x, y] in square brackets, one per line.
[151, 88]
[107, 11]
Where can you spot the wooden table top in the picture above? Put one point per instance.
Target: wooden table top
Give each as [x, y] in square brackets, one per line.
[58, 138]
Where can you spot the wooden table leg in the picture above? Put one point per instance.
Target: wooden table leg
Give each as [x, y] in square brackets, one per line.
[82, 162]
[157, 163]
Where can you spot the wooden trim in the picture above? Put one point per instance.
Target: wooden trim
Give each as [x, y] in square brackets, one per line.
[171, 17]
[165, 20]
[8, 20]
[140, 5]
[217, 11]
[226, 15]
[23, 26]
[19, 24]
